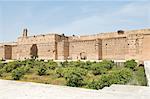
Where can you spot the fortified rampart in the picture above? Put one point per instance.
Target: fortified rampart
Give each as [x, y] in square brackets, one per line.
[120, 45]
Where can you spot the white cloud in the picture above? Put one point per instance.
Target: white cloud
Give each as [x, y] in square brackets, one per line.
[84, 20]
[135, 9]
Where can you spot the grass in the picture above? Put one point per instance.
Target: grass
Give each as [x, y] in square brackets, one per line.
[139, 77]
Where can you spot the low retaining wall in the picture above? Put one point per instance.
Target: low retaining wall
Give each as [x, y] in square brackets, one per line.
[147, 71]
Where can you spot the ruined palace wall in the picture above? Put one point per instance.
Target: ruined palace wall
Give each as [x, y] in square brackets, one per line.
[45, 46]
[95, 36]
[109, 35]
[146, 47]
[99, 35]
[114, 48]
[23, 51]
[47, 50]
[125, 45]
[62, 50]
[44, 51]
[14, 51]
[1, 52]
[36, 39]
[62, 47]
[7, 52]
[134, 45]
[79, 49]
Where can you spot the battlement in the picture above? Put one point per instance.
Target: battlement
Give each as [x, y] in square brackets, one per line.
[8, 43]
[109, 35]
[41, 38]
[117, 34]
[122, 44]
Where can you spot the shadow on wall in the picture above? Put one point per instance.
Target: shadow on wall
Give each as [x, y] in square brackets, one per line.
[34, 51]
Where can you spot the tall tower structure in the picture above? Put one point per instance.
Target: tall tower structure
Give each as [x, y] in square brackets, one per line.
[25, 32]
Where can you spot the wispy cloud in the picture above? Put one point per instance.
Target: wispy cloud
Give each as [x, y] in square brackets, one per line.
[77, 17]
[130, 16]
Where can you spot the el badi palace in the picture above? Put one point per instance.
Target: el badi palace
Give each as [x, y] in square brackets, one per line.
[120, 45]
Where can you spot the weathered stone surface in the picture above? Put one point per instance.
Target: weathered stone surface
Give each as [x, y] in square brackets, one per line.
[147, 71]
[116, 46]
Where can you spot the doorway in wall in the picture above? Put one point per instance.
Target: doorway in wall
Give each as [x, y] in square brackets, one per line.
[34, 51]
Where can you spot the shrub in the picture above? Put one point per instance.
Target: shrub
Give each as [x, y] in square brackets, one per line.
[108, 64]
[70, 70]
[60, 72]
[77, 64]
[95, 75]
[41, 70]
[125, 76]
[17, 73]
[1, 65]
[102, 81]
[87, 65]
[31, 62]
[140, 76]
[75, 80]
[27, 68]
[9, 67]
[101, 67]
[117, 77]
[75, 76]
[65, 72]
[94, 84]
[98, 69]
[73, 64]
[122, 76]
[130, 64]
[64, 64]
[1, 72]
[52, 65]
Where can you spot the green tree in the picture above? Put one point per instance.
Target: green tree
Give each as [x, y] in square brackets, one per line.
[122, 76]
[75, 76]
[60, 72]
[98, 69]
[17, 73]
[12, 65]
[41, 70]
[69, 70]
[108, 64]
[64, 64]
[75, 80]
[99, 83]
[1, 72]
[52, 65]
[140, 76]
[130, 64]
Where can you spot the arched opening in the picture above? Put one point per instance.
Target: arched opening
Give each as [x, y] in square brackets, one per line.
[83, 56]
[34, 51]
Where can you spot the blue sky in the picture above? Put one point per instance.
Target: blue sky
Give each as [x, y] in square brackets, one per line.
[79, 17]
